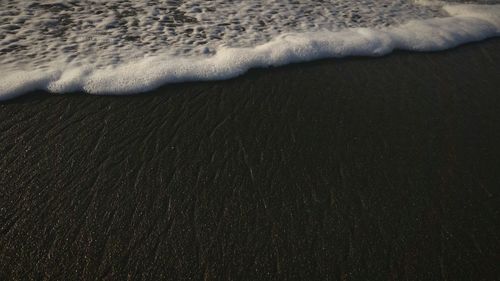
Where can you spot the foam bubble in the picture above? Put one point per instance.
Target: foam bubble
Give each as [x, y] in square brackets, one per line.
[143, 71]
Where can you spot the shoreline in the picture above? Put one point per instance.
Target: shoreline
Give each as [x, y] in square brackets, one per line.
[340, 169]
[251, 71]
[464, 23]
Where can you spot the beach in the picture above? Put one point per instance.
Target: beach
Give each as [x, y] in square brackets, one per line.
[340, 169]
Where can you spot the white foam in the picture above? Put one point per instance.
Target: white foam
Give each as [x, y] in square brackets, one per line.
[465, 23]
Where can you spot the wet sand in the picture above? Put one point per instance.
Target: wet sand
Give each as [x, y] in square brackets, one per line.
[352, 169]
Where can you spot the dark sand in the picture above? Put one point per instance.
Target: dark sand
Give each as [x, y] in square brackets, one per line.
[353, 169]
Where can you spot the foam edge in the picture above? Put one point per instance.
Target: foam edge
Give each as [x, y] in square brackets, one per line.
[467, 23]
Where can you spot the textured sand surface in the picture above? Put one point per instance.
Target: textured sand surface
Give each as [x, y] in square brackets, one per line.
[359, 169]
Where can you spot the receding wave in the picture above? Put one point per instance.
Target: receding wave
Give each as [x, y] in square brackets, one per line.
[124, 47]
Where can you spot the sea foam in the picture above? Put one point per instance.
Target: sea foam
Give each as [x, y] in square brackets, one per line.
[432, 26]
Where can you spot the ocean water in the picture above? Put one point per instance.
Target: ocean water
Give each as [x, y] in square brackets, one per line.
[132, 46]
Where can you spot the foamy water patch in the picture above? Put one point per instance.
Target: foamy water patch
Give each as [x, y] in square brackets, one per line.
[465, 23]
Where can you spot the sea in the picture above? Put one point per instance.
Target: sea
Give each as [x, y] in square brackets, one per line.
[133, 46]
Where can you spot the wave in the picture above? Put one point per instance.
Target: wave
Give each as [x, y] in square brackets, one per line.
[463, 23]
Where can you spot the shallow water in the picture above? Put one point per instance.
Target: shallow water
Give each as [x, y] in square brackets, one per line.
[36, 32]
[65, 46]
